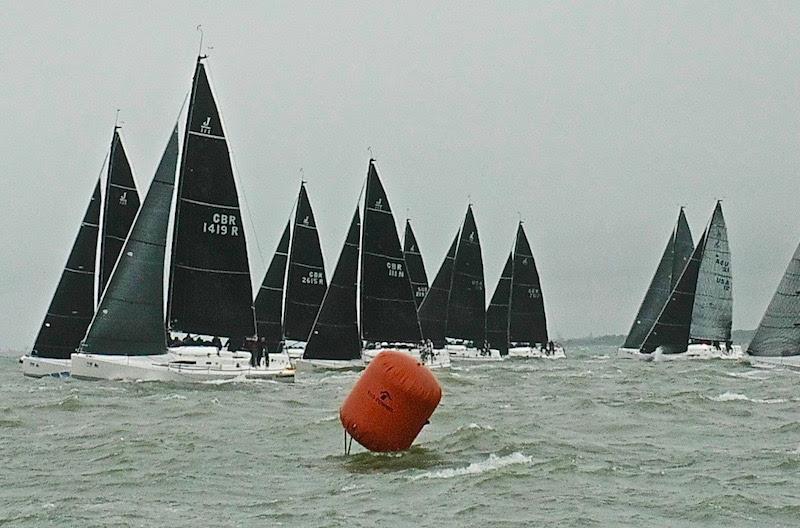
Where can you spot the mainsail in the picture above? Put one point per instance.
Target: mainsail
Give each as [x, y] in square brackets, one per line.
[305, 281]
[269, 301]
[210, 288]
[433, 310]
[466, 307]
[130, 317]
[415, 265]
[527, 321]
[497, 313]
[119, 209]
[388, 312]
[72, 306]
[676, 254]
[713, 302]
[334, 334]
[778, 334]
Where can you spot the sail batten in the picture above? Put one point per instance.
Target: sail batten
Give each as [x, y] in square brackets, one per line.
[210, 288]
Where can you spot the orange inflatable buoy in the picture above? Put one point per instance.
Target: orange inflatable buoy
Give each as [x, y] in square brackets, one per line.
[391, 402]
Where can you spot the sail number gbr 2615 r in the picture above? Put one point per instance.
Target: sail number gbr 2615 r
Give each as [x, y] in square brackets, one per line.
[222, 224]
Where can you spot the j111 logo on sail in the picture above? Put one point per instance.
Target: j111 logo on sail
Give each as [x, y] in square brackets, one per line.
[222, 224]
[205, 127]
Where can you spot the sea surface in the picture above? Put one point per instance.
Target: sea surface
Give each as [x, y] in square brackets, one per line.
[588, 441]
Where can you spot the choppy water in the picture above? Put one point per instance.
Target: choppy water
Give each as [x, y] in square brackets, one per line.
[590, 441]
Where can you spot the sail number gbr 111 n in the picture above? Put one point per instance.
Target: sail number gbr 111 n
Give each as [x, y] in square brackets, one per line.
[222, 224]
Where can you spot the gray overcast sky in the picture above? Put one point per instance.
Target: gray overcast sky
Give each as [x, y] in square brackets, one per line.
[593, 121]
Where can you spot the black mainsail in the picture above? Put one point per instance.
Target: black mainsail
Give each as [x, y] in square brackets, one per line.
[119, 208]
[676, 254]
[415, 265]
[497, 312]
[210, 288]
[466, 307]
[778, 333]
[388, 312]
[335, 335]
[305, 281]
[130, 317]
[72, 306]
[269, 301]
[433, 310]
[527, 322]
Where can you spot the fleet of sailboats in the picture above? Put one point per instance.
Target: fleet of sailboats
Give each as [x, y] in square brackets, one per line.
[139, 281]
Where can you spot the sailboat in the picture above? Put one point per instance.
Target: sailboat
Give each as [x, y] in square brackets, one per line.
[210, 291]
[414, 265]
[674, 259]
[516, 324]
[695, 321]
[453, 314]
[90, 261]
[777, 338]
[369, 305]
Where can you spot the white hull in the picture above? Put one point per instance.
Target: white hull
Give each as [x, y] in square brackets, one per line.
[310, 365]
[36, 367]
[465, 353]
[774, 361]
[536, 353]
[180, 364]
[694, 351]
[437, 359]
[295, 349]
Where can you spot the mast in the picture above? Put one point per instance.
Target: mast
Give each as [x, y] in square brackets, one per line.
[210, 288]
[305, 281]
[388, 312]
[130, 316]
[778, 333]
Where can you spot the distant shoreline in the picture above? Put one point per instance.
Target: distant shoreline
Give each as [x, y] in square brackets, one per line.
[740, 337]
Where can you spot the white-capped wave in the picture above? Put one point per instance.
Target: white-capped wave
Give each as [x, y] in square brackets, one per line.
[476, 426]
[492, 463]
[735, 396]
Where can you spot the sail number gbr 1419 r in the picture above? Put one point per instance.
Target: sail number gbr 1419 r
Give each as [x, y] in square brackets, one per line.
[222, 224]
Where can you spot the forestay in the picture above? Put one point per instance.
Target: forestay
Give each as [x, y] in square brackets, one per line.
[433, 310]
[497, 313]
[269, 301]
[466, 315]
[527, 320]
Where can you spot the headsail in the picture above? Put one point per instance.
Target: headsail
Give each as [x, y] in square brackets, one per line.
[269, 301]
[497, 313]
[713, 302]
[388, 311]
[334, 334]
[466, 308]
[527, 321]
[119, 209]
[130, 317]
[778, 334]
[305, 281]
[676, 254]
[415, 265]
[210, 288]
[72, 306]
[433, 310]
